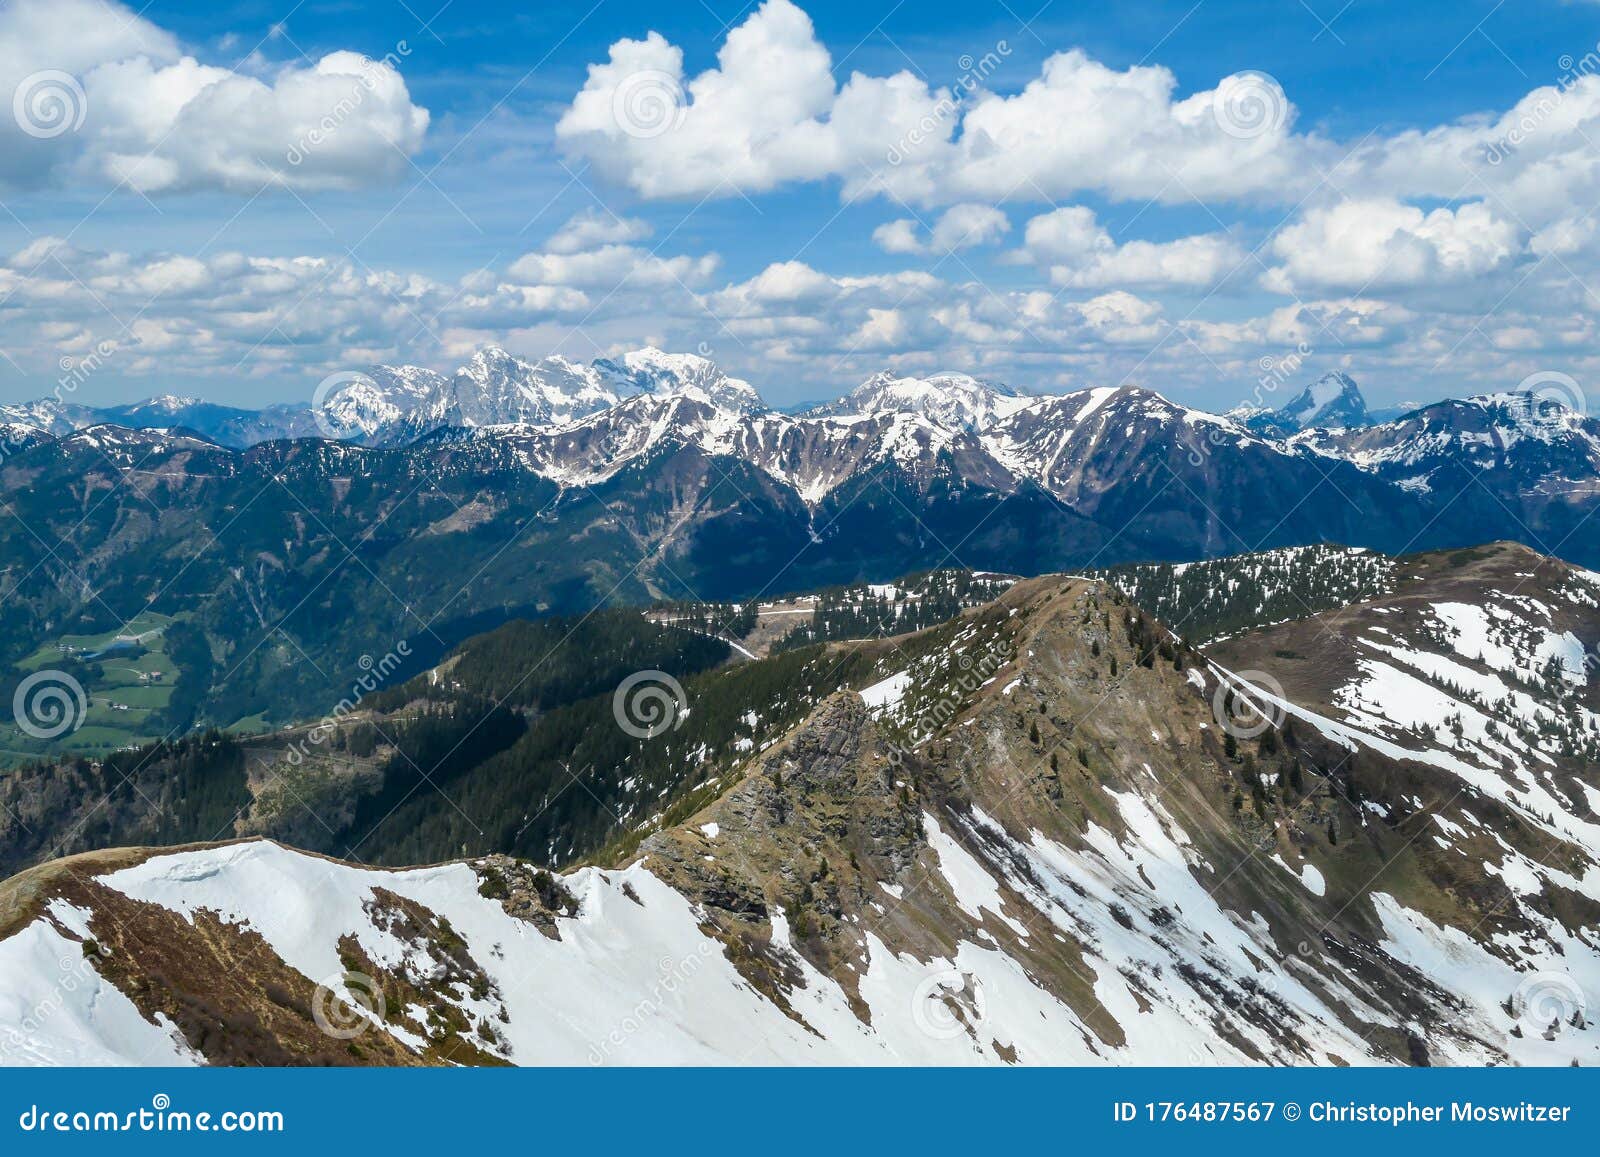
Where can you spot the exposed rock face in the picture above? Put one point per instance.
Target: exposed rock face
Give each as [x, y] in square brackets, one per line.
[526, 892]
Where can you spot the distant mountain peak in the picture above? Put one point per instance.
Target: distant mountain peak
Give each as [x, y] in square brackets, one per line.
[654, 371]
[167, 403]
[1333, 400]
[950, 398]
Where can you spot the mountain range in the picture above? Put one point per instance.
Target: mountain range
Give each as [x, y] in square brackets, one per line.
[266, 573]
[386, 405]
[1050, 830]
[395, 405]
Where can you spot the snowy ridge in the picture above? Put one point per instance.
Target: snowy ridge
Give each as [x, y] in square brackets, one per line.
[1482, 975]
[47, 416]
[496, 388]
[954, 400]
[579, 424]
[1054, 442]
[577, 999]
[649, 370]
[811, 456]
[1546, 443]
[1066, 444]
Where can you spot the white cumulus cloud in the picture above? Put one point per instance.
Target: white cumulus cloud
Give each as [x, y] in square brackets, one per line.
[1380, 243]
[964, 226]
[1080, 253]
[103, 96]
[770, 113]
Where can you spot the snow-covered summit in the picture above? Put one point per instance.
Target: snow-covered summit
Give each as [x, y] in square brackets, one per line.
[1332, 400]
[47, 415]
[393, 405]
[955, 400]
[165, 404]
[653, 371]
[1539, 441]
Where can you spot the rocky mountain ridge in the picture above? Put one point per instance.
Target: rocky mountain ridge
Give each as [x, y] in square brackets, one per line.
[1048, 832]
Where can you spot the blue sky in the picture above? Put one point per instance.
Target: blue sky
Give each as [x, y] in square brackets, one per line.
[1381, 221]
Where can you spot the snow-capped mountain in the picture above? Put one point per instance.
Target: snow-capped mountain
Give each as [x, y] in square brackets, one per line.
[225, 425]
[725, 498]
[168, 406]
[369, 405]
[48, 416]
[497, 388]
[811, 456]
[385, 405]
[1078, 446]
[1069, 444]
[650, 371]
[493, 388]
[1333, 401]
[1542, 440]
[954, 400]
